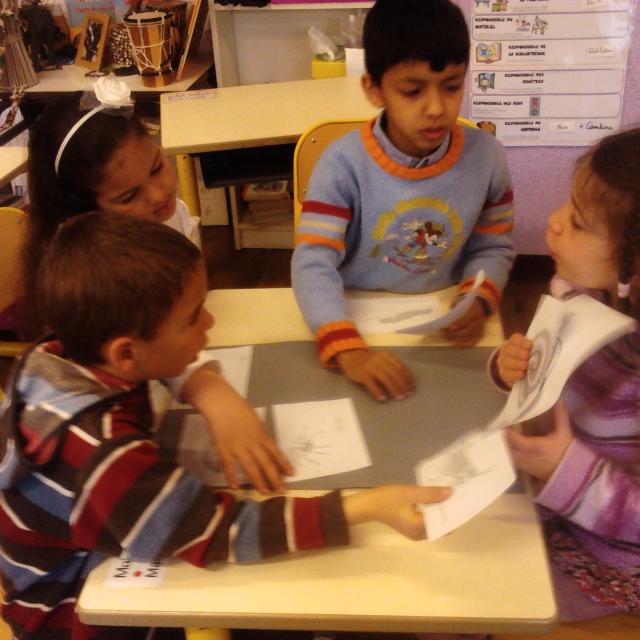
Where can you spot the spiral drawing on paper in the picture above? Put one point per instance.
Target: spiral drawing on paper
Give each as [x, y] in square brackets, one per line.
[545, 351]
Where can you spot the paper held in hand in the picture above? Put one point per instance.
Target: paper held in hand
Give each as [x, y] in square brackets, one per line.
[478, 466]
[413, 314]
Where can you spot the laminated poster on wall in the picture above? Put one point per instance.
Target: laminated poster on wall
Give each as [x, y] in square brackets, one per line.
[549, 72]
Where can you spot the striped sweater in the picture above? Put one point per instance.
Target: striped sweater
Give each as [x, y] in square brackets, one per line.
[82, 478]
[596, 486]
[376, 219]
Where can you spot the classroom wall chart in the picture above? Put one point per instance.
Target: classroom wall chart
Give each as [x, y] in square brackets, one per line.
[549, 72]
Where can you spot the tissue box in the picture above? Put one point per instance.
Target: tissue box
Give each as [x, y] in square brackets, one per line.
[354, 61]
[321, 68]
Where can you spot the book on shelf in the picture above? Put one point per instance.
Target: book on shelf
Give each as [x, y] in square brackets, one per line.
[258, 206]
[269, 218]
[261, 191]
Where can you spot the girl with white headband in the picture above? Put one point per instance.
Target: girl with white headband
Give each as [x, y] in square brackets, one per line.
[93, 153]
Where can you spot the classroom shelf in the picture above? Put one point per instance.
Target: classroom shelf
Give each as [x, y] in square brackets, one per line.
[234, 167]
[253, 45]
[298, 6]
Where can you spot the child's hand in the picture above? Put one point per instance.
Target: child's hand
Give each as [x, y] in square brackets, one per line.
[540, 455]
[466, 331]
[240, 436]
[380, 372]
[394, 505]
[513, 359]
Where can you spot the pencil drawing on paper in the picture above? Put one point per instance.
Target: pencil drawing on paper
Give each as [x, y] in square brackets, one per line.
[311, 447]
[459, 464]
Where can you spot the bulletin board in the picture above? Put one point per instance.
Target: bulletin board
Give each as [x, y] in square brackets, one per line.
[542, 174]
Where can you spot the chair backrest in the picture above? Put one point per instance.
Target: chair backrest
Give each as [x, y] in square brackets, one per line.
[311, 145]
[13, 229]
[309, 148]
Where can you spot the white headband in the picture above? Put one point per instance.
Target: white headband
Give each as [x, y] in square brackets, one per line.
[70, 133]
[111, 93]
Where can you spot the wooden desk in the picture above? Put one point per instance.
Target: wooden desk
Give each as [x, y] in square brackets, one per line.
[250, 116]
[13, 162]
[255, 316]
[257, 115]
[490, 575]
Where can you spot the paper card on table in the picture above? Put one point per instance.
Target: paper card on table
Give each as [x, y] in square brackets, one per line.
[373, 314]
[197, 452]
[235, 367]
[130, 574]
[477, 467]
[235, 364]
[408, 314]
[564, 335]
[320, 438]
[452, 315]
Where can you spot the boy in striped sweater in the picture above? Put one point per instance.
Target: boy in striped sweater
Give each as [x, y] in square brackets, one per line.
[81, 475]
[412, 202]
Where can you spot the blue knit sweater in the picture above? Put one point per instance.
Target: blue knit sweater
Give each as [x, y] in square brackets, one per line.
[376, 219]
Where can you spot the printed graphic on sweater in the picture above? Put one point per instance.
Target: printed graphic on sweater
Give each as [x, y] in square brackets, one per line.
[417, 234]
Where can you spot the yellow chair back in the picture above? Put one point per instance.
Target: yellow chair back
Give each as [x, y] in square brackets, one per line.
[13, 230]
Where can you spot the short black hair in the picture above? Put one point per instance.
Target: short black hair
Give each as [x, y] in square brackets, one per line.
[431, 31]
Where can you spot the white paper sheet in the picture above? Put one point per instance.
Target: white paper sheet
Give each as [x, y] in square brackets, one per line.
[477, 467]
[320, 438]
[235, 365]
[386, 315]
[125, 573]
[452, 315]
[417, 314]
[564, 335]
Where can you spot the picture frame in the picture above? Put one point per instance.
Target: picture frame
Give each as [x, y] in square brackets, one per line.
[93, 40]
[196, 22]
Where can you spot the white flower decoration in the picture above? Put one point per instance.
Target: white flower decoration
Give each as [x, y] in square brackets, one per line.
[112, 92]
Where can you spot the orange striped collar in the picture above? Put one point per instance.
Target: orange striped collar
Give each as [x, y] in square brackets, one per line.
[379, 156]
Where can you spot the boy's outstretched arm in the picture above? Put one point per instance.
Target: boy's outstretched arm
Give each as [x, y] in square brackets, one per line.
[240, 436]
[393, 505]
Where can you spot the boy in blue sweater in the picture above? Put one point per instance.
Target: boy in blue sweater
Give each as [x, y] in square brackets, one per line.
[410, 203]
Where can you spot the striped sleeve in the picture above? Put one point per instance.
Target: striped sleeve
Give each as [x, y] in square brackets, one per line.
[488, 292]
[323, 234]
[490, 246]
[335, 337]
[496, 217]
[132, 499]
[323, 224]
[596, 493]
